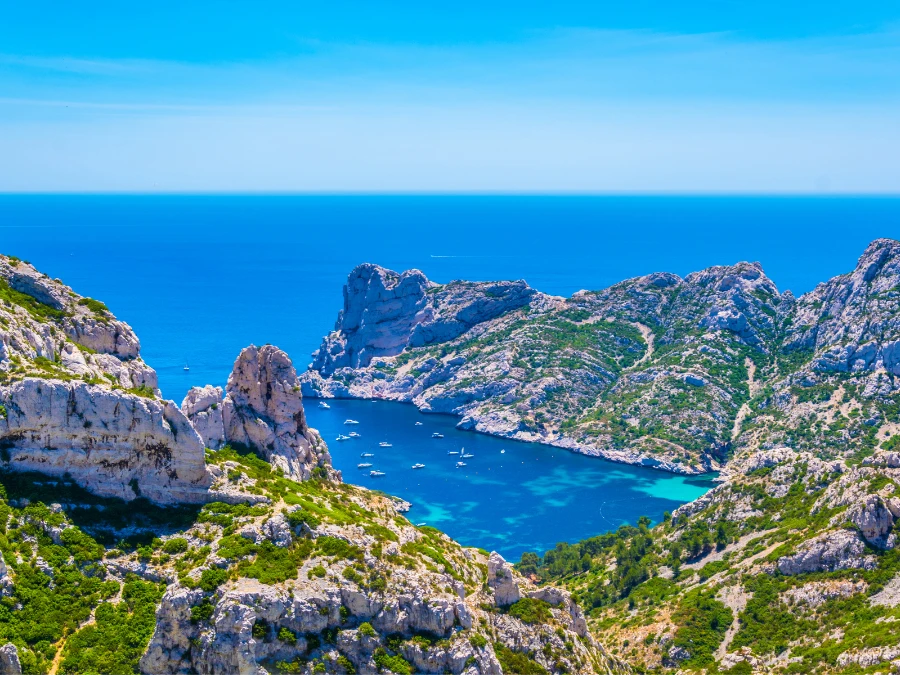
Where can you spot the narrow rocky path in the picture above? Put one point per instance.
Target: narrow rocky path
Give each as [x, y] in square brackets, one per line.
[753, 388]
[647, 334]
[60, 646]
[735, 598]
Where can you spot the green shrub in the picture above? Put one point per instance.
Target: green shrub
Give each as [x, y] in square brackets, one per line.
[287, 636]
[36, 308]
[702, 622]
[317, 571]
[202, 611]
[235, 546]
[95, 306]
[531, 610]
[346, 664]
[478, 641]
[273, 564]
[338, 548]
[352, 575]
[517, 662]
[175, 546]
[212, 578]
[365, 628]
[395, 664]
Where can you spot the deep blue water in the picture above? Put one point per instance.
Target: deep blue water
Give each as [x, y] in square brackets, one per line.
[510, 497]
[200, 277]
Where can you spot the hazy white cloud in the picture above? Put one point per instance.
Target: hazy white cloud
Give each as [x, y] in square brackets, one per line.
[568, 110]
[481, 148]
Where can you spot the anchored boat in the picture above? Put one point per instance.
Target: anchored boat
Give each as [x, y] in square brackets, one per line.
[418, 466]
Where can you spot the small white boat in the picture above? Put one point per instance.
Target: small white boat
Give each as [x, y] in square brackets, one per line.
[418, 466]
[384, 444]
[453, 452]
[324, 406]
[420, 524]
[437, 435]
[353, 434]
[467, 456]
[460, 464]
[374, 473]
[418, 424]
[341, 437]
[350, 422]
[187, 367]
[502, 451]
[367, 454]
[364, 465]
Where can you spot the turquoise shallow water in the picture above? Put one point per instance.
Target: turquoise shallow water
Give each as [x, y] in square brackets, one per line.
[511, 497]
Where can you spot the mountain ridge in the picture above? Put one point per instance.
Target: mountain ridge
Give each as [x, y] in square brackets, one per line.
[656, 370]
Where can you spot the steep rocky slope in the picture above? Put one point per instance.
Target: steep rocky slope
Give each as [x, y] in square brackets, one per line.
[835, 389]
[658, 370]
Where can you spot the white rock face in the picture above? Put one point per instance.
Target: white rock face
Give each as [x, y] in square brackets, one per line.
[384, 312]
[831, 551]
[112, 443]
[6, 582]
[203, 407]
[9, 660]
[263, 410]
[502, 581]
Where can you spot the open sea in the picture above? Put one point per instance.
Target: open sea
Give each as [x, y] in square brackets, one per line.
[200, 277]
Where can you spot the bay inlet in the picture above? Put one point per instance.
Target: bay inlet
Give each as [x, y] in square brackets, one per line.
[510, 496]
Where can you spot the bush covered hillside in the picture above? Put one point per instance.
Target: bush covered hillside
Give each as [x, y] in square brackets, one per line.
[314, 577]
[789, 566]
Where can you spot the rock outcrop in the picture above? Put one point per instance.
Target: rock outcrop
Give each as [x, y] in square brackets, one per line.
[263, 411]
[830, 551]
[385, 312]
[9, 660]
[203, 407]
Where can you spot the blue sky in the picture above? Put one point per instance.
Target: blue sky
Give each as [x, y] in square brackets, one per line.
[714, 96]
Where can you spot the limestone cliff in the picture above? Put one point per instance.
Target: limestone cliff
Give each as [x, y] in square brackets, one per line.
[76, 398]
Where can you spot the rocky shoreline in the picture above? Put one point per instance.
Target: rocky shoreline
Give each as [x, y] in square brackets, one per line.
[563, 443]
